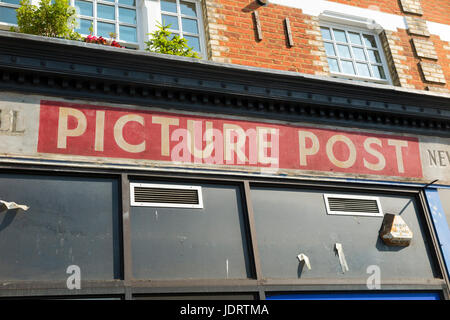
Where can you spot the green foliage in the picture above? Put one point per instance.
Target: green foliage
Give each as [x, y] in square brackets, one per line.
[57, 19]
[164, 41]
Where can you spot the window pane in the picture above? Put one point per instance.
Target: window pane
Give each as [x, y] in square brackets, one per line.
[334, 67]
[188, 8]
[104, 29]
[347, 67]
[339, 35]
[193, 42]
[378, 72]
[8, 15]
[127, 15]
[363, 69]
[325, 33]
[374, 56]
[189, 25]
[105, 12]
[183, 243]
[354, 38]
[170, 20]
[83, 26]
[359, 53]
[173, 35]
[128, 2]
[370, 41]
[344, 51]
[74, 222]
[329, 48]
[17, 2]
[128, 34]
[84, 8]
[169, 5]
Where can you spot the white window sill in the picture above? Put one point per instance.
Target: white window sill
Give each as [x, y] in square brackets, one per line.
[358, 78]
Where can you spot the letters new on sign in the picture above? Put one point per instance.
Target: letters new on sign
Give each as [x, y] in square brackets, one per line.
[84, 130]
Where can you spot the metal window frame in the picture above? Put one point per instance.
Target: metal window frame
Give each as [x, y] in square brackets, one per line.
[127, 286]
[133, 185]
[326, 196]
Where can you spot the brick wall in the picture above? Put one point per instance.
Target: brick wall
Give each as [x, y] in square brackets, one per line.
[417, 58]
[233, 39]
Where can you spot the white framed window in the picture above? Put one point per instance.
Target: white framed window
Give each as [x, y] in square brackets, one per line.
[106, 17]
[8, 13]
[354, 53]
[185, 20]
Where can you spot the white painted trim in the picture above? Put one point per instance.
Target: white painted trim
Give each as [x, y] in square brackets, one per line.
[387, 21]
[380, 51]
[442, 30]
[152, 12]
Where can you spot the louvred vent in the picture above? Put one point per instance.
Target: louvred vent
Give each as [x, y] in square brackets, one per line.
[353, 205]
[156, 195]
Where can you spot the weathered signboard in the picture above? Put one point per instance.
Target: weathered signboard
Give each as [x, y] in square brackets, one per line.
[33, 127]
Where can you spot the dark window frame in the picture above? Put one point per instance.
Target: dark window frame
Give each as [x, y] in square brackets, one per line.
[127, 287]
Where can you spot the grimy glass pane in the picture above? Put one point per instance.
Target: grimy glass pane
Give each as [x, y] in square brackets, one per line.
[329, 48]
[347, 67]
[127, 15]
[8, 15]
[128, 2]
[128, 34]
[183, 243]
[369, 40]
[105, 12]
[169, 6]
[293, 221]
[374, 56]
[344, 51]
[189, 25]
[104, 29]
[334, 66]
[193, 42]
[17, 2]
[170, 20]
[188, 8]
[355, 38]
[84, 8]
[378, 72]
[359, 54]
[83, 26]
[71, 221]
[363, 69]
[339, 35]
[326, 35]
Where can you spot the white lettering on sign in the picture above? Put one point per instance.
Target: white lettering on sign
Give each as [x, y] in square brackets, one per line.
[438, 158]
[9, 122]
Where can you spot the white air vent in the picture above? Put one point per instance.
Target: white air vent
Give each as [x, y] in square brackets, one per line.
[353, 205]
[163, 195]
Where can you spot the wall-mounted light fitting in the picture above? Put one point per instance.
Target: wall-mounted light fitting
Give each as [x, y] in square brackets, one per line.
[262, 2]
